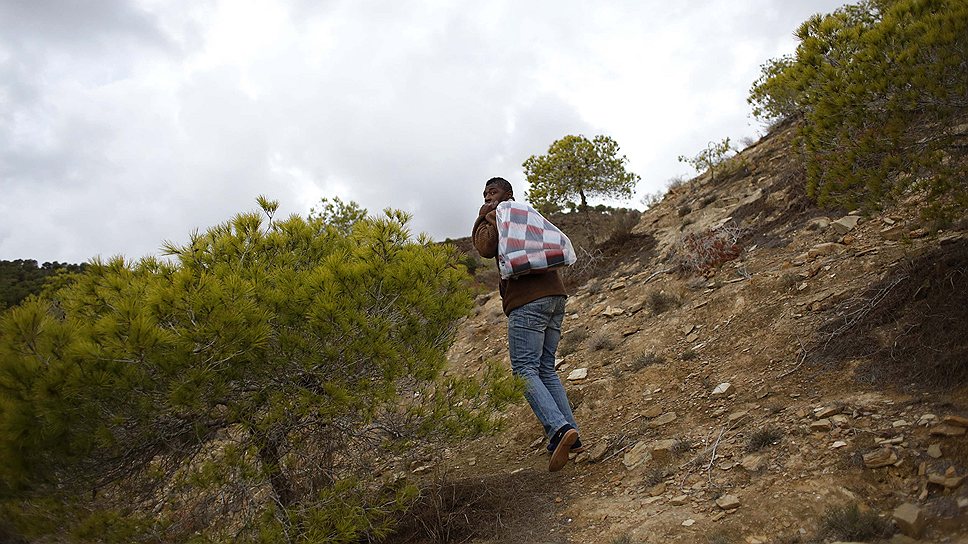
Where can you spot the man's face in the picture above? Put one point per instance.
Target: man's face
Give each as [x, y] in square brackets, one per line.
[493, 194]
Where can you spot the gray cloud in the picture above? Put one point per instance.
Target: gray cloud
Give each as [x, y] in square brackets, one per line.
[126, 123]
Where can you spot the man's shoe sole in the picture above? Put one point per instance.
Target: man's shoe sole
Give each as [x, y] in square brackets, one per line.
[560, 456]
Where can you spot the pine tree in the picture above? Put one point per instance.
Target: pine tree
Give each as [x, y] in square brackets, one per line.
[255, 386]
[576, 167]
[879, 88]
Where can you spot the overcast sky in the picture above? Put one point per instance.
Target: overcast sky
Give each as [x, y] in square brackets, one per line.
[124, 123]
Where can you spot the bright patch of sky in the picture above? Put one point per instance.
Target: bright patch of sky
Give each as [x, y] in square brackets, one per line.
[124, 123]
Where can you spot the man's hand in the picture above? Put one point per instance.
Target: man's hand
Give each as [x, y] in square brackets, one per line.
[486, 208]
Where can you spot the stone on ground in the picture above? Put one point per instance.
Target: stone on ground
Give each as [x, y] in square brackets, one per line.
[639, 454]
[728, 502]
[723, 389]
[910, 520]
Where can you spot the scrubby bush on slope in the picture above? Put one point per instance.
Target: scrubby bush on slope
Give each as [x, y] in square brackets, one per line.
[253, 388]
[881, 88]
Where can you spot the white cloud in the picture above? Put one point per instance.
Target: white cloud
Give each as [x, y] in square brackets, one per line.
[128, 123]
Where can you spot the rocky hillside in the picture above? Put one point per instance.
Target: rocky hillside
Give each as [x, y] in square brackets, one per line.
[745, 368]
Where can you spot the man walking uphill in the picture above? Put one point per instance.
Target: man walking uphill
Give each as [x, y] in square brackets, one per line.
[535, 306]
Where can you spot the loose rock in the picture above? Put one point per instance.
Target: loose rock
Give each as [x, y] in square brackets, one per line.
[948, 482]
[639, 454]
[821, 425]
[728, 502]
[957, 421]
[753, 462]
[578, 374]
[845, 224]
[910, 520]
[946, 429]
[723, 389]
[828, 248]
[824, 413]
[662, 451]
[612, 311]
[664, 419]
[880, 458]
[597, 452]
[934, 451]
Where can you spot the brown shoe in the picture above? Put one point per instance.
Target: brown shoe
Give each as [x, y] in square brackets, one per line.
[560, 456]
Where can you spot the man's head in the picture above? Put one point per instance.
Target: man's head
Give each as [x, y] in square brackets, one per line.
[497, 190]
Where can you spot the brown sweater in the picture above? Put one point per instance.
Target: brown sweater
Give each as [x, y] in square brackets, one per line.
[518, 291]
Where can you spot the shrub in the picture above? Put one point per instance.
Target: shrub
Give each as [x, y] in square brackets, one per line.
[879, 87]
[681, 446]
[602, 340]
[763, 438]
[646, 359]
[655, 476]
[471, 263]
[267, 369]
[688, 355]
[849, 522]
[702, 251]
[623, 221]
[712, 159]
[650, 200]
[659, 302]
[721, 537]
[571, 341]
[589, 265]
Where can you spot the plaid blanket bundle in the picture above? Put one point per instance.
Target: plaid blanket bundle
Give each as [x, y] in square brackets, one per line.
[527, 242]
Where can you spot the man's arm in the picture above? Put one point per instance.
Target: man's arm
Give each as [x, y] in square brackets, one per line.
[485, 233]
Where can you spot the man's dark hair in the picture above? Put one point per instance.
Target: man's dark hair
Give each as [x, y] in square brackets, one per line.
[501, 182]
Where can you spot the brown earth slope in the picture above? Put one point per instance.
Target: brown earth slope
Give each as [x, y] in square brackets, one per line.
[823, 367]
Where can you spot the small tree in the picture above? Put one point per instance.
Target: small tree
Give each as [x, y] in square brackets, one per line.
[339, 214]
[711, 159]
[269, 383]
[578, 167]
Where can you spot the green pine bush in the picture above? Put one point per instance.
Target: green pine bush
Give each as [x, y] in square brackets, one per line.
[268, 378]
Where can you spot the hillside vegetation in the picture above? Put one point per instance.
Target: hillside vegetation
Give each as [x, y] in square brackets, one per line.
[774, 352]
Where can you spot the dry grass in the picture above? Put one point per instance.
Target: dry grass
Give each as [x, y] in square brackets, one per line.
[659, 301]
[602, 340]
[849, 522]
[656, 476]
[571, 341]
[681, 446]
[763, 438]
[499, 508]
[909, 328]
[646, 359]
[623, 221]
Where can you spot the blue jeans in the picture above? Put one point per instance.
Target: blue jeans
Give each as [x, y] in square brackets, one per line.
[533, 334]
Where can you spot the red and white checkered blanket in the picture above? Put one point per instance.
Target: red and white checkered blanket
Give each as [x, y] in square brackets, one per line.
[527, 242]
